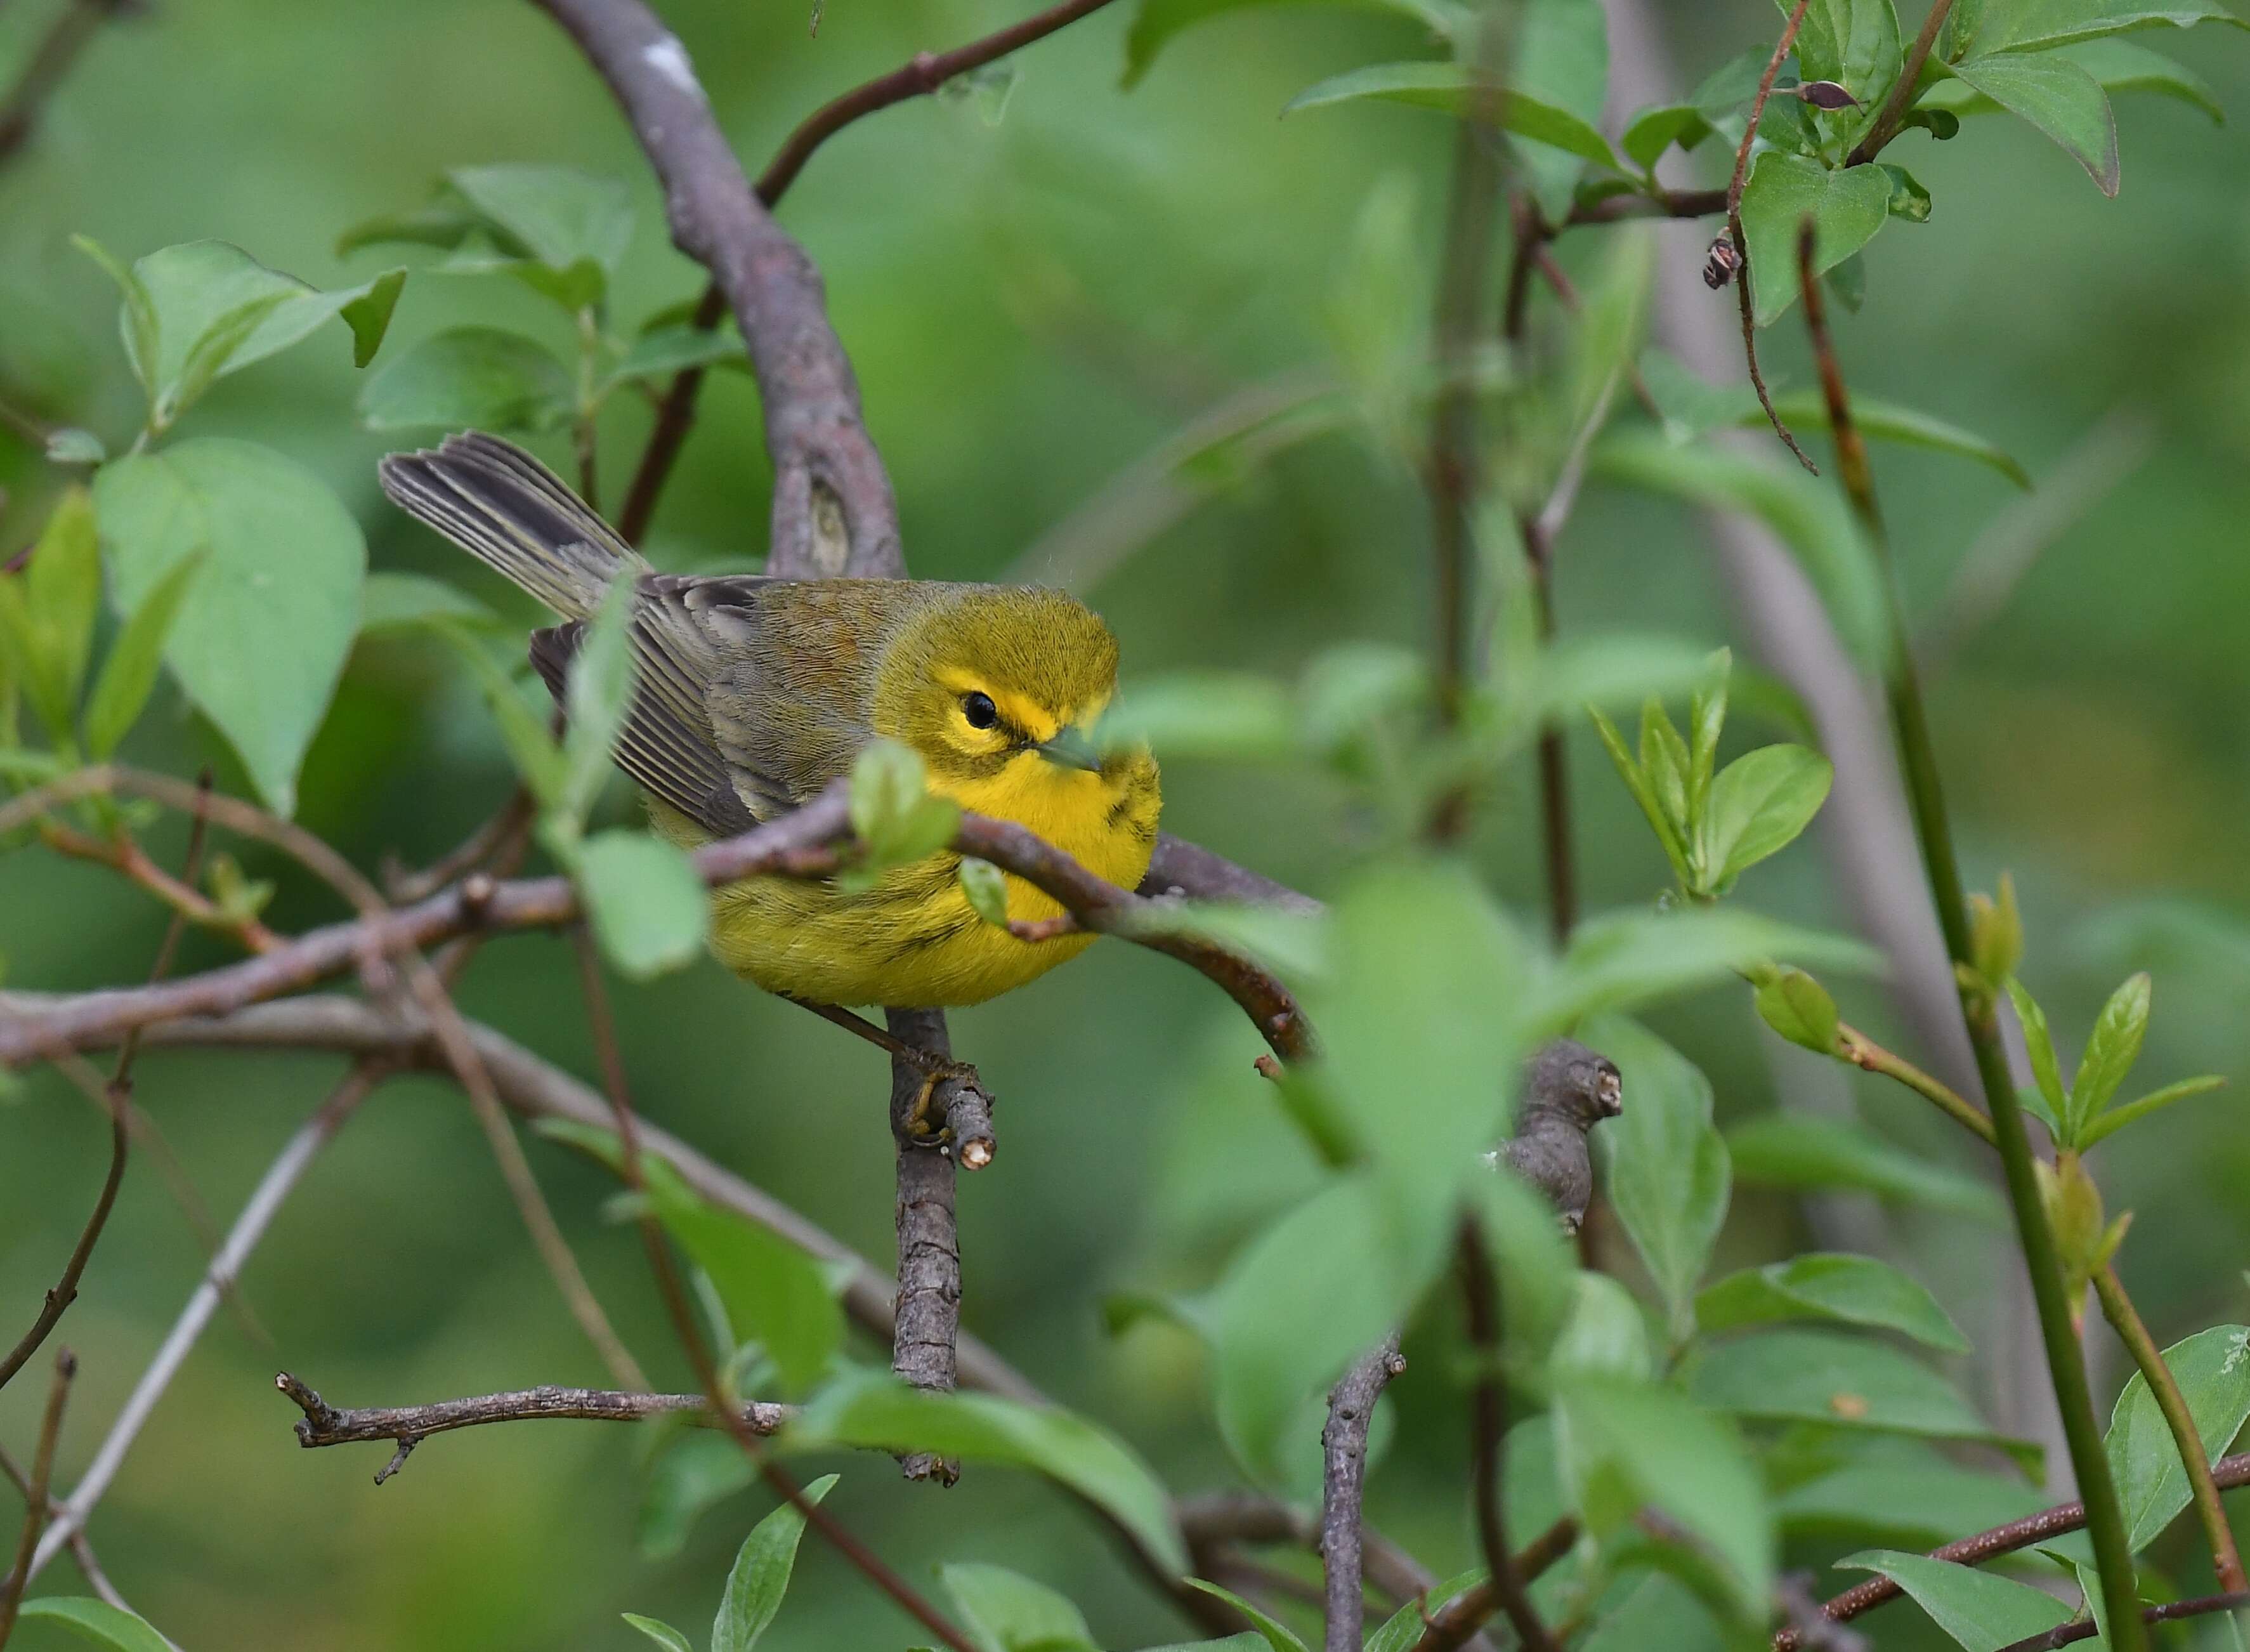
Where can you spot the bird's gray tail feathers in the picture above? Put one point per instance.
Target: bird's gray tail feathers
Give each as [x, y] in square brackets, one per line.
[503, 507]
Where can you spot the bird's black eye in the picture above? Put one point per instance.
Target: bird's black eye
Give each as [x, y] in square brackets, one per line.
[980, 710]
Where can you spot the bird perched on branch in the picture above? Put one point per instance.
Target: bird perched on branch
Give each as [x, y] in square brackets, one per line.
[753, 694]
[1567, 1090]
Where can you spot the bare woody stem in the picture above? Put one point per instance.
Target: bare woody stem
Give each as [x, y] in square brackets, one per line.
[326, 1425]
[35, 1499]
[1864, 1053]
[1489, 1422]
[73, 30]
[2171, 1612]
[1453, 1624]
[2125, 1319]
[1343, 1492]
[1891, 119]
[1925, 794]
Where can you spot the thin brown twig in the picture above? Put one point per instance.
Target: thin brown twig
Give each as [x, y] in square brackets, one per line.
[1891, 120]
[1742, 271]
[52, 59]
[1489, 1410]
[2171, 1611]
[920, 75]
[1451, 1625]
[2229, 1473]
[65, 1291]
[35, 1496]
[81, 1550]
[1343, 1492]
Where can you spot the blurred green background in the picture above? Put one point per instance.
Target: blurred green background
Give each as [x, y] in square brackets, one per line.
[1031, 307]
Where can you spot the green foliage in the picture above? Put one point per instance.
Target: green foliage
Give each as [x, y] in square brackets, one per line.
[1625, 1445]
[897, 819]
[1794, 1375]
[873, 1410]
[2060, 99]
[2080, 1113]
[1983, 1612]
[262, 631]
[1668, 1170]
[1847, 207]
[663, 1634]
[649, 909]
[986, 888]
[2212, 1370]
[95, 1621]
[470, 377]
[1560, 55]
[1840, 1289]
[694, 1470]
[198, 311]
[761, 1573]
[1449, 87]
[1004, 1611]
[1802, 1153]
[1155, 22]
[1798, 1008]
[404, 602]
[128, 675]
[1272, 1633]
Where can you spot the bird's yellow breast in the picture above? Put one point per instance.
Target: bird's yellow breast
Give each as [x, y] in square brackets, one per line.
[912, 940]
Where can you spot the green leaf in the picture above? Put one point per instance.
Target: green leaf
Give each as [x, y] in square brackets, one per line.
[2058, 97]
[96, 1621]
[2045, 1068]
[1802, 1153]
[663, 1634]
[1707, 719]
[1668, 1171]
[596, 698]
[1417, 1041]
[263, 632]
[136, 320]
[1613, 668]
[1903, 1491]
[1620, 958]
[568, 220]
[401, 602]
[1273, 1633]
[1204, 714]
[1644, 792]
[1888, 422]
[1798, 1008]
[760, 1577]
[2117, 1117]
[2111, 1049]
[1657, 129]
[1910, 200]
[2040, 25]
[70, 445]
[1832, 1378]
[1810, 517]
[128, 675]
[649, 911]
[470, 377]
[217, 310]
[670, 349]
[1157, 21]
[1604, 1333]
[536, 757]
[2119, 66]
[1449, 87]
[874, 1410]
[1624, 1446]
[1982, 1612]
[62, 592]
[1854, 43]
[1560, 55]
[1004, 1611]
[1847, 1289]
[1847, 206]
[1759, 804]
[1248, 1640]
[1402, 1631]
[986, 888]
[698, 1468]
[2212, 1370]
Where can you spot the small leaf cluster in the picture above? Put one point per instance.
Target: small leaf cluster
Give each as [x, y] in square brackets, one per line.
[563, 234]
[1715, 823]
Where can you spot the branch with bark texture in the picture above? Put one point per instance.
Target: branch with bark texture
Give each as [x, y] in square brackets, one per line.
[1344, 1484]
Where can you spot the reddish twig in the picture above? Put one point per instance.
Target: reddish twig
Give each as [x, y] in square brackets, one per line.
[2171, 1612]
[36, 1508]
[1741, 246]
[1890, 121]
[919, 76]
[1490, 1427]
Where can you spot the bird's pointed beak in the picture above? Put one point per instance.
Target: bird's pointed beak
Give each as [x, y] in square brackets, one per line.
[1070, 749]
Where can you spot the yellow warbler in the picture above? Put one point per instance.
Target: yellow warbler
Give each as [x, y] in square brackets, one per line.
[753, 694]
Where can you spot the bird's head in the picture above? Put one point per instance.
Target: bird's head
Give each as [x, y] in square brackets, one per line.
[1567, 1080]
[997, 688]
